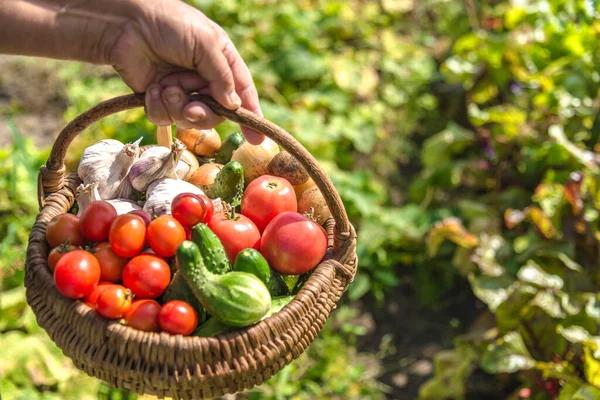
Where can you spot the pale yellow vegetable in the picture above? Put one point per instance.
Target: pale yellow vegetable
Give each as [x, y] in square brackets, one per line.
[312, 202]
[284, 165]
[202, 142]
[299, 189]
[187, 165]
[255, 159]
[205, 176]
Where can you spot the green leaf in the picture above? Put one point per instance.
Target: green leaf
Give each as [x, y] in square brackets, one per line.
[574, 334]
[492, 290]
[507, 355]
[440, 147]
[533, 274]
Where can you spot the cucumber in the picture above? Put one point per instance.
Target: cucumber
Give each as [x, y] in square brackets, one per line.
[229, 184]
[214, 327]
[211, 248]
[178, 289]
[230, 144]
[277, 286]
[301, 280]
[251, 261]
[236, 298]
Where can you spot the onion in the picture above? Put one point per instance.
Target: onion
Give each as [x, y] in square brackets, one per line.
[202, 142]
[255, 159]
[187, 165]
[309, 184]
[205, 176]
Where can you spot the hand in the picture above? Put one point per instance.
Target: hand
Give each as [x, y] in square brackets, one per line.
[172, 48]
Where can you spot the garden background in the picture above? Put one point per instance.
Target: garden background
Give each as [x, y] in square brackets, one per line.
[463, 138]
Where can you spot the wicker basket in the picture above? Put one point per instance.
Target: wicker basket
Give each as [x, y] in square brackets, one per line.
[175, 366]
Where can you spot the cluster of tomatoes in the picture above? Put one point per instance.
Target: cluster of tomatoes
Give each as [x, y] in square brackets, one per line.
[119, 264]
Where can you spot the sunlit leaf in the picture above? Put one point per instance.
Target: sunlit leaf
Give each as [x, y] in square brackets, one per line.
[450, 229]
[513, 218]
[541, 221]
[492, 290]
[533, 274]
[507, 355]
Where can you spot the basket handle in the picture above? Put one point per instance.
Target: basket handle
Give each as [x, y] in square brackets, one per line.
[52, 175]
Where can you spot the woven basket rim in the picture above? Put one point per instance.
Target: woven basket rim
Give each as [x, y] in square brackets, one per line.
[172, 365]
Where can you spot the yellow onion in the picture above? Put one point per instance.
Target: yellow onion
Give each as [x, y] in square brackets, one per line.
[202, 142]
[299, 189]
[205, 176]
[255, 159]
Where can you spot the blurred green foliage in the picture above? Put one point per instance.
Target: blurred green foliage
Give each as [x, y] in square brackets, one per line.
[461, 136]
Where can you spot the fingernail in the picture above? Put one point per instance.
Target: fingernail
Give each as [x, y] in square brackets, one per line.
[155, 93]
[173, 97]
[234, 99]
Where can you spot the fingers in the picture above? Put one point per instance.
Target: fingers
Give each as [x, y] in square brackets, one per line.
[155, 109]
[244, 84]
[201, 116]
[211, 64]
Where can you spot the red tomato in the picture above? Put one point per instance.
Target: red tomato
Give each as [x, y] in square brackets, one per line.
[266, 197]
[147, 276]
[57, 253]
[188, 233]
[141, 213]
[164, 235]
[111, 265]
[293, 244]
[210, 209]
[96, 220]
[76, 274]
[113, 301]
[236, 233]
[189, 209]
[92, 298]
[64, 227]
[143, 315]
[177, 318]
[127, 235]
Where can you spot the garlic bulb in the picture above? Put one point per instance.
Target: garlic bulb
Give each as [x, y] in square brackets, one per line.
[155, 163]
[108, 162]
[161, 193]
[124, 206]
[187, 165]
[86, 194]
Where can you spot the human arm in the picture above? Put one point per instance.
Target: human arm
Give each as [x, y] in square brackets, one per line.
[163, 48]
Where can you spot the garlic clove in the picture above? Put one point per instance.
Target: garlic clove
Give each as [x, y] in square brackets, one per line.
[187, 165]
[86, 194]
[124, 206]
[161, 193]
[155, 163]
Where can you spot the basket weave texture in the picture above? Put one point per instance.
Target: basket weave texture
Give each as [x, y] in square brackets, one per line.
[172, 365]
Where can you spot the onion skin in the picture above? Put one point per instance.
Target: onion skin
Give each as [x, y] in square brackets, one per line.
[313, 203]
[205, 176]
[255, 159]
[300, 189]
[286, 166]
[202, 142]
